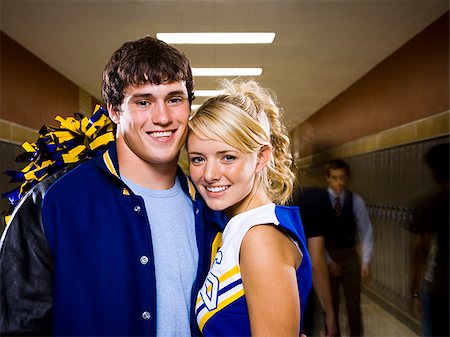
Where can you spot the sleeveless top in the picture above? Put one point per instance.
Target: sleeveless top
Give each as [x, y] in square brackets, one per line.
[221, 308]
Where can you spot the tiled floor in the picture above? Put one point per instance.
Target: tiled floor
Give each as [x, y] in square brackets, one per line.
[377, 322]
[380, 323]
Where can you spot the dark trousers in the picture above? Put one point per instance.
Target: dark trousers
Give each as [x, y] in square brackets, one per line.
[311, 324]
[350, 280]
[435, 309]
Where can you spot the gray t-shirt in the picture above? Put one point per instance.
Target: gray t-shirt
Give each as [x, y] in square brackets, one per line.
[172, 226]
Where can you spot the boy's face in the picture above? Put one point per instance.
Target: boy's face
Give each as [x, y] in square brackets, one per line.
[152, 123]
[337, 180]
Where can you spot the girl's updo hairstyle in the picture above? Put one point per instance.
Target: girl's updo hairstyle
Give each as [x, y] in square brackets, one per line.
[247, 117]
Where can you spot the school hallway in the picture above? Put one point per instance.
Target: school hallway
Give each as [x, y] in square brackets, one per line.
[377, 321]
[363, 81]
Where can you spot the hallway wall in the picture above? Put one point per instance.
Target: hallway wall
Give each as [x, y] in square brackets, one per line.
[409, 85]
[32, 94]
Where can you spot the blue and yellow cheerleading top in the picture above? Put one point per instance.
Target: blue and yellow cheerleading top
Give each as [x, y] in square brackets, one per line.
[221, 308]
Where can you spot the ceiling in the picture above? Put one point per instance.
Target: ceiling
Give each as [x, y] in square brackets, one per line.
[320, 48]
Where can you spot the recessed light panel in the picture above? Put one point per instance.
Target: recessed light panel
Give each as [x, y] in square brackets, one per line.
[226, 71]
[216, 38]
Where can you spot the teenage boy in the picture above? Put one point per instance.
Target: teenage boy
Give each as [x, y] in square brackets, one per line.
[347, 219]
[115, 246]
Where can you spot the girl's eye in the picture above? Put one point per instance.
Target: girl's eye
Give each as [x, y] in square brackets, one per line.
[229, 157]
[196, 160]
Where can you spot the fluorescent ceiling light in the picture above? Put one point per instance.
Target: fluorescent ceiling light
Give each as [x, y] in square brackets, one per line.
[226, 71]
[216, 38]
[207, 93]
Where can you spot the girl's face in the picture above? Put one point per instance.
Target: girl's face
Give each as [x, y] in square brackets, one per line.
[224, 175]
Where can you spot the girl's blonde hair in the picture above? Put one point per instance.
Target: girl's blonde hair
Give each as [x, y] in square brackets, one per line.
[247, 117]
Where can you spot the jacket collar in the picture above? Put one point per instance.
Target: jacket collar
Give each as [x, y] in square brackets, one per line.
[109, 163]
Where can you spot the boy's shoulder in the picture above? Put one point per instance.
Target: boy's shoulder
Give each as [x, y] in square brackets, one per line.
[73, 178]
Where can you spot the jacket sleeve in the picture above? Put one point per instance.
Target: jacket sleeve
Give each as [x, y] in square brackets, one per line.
[26, 271]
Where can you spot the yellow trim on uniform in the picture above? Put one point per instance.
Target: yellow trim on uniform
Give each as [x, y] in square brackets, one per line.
[221, 305]
[233, 271]
[109, 164]
[217, 243]
[125, 191]
[191, 188]
[225, 276]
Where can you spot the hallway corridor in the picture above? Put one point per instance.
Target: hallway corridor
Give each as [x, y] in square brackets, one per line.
[377, 321]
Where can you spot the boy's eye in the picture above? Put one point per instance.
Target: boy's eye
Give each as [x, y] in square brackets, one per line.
[175, 100]
[143, 103]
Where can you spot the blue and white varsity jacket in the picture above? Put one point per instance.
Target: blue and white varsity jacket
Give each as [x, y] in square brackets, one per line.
[77, 257]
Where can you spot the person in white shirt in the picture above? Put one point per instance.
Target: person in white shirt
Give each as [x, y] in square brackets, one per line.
[348, 227]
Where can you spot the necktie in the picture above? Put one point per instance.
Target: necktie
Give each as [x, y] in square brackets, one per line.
[337, 206]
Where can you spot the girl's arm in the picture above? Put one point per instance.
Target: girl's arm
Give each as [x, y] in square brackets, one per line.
[269, 260]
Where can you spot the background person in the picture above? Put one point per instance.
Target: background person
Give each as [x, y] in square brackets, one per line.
[430, 269]
[348, 224]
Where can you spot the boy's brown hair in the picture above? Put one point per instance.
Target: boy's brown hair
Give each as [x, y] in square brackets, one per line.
[336, 164]
[147, 60]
